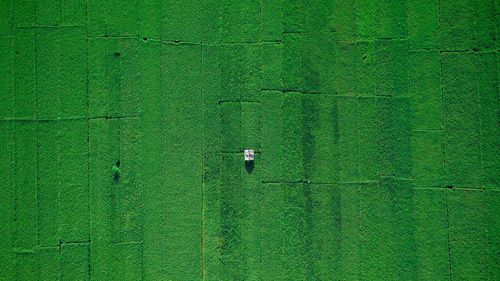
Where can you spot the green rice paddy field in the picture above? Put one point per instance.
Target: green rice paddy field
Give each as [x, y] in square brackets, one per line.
[375, 125]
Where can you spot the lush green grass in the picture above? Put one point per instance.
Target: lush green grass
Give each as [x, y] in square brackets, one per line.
[375, 126]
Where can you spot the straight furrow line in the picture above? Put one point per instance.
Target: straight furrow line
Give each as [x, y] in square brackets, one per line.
[67, 119]
[46, 26]
[128, 243]
[237, 101]
[448, 234]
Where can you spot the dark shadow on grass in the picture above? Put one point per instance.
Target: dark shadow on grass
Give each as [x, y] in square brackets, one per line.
[249, 166]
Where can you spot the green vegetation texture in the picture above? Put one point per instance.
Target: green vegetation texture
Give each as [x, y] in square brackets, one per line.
[375, 125]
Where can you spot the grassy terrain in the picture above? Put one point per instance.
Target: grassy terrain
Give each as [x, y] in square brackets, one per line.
[375, 126]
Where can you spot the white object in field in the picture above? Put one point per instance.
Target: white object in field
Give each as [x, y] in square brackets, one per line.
[249, 155]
